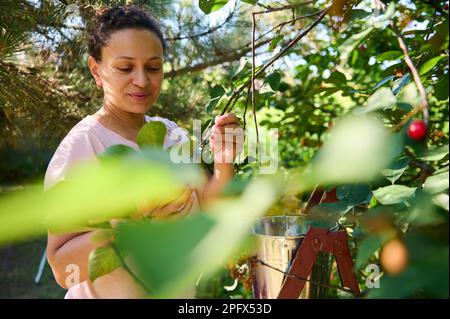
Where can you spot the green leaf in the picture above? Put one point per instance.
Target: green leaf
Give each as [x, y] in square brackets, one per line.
[116, 151]
[400, 83]
[327, 90]
[427, 271]
[354, 193]
[373, 202]
[422, 212]
[394, 171]
[358, 14]
[94, 193]
[215, 93]
[382, 82]
[253, 2]
[102, 225]
[442, 200]
[274, 42]
[381, 99]
[195, 244]
[435, 154]
[388, 14]
[430, 64]
[390, 55]
[234, 187]
[208, 6]
[441, 88]
[408, 94]
[437, 183]
[274, 80]
[326, 215]
[351, 43]
[161, 264]
[212, 104]
[357, 149]
[368, 247]
[243, 72]
[103, 235]
[152, 134]
[337, 78]
[102, 261]
[394, 194]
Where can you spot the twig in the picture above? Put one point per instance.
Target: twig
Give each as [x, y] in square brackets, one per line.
[431, 26]
[282, 24]
[246, 105]
[400, 124]
[430, 29]
[425, 169]
[424, 104]
[249, 44]
[253, 84]
[435, 5]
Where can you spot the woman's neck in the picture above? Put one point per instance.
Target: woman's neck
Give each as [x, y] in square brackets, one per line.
[123, 123]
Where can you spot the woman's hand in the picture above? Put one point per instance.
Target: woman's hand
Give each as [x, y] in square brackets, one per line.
[227, 138]
[177, 208]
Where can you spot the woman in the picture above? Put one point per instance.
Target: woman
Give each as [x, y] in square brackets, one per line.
[126, 50]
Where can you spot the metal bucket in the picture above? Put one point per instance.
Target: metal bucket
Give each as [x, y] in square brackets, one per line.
[278, 238]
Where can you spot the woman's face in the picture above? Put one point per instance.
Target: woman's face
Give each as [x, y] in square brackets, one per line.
[130, 70]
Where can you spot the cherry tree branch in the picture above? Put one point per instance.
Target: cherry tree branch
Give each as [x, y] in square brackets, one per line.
[424, 103]
[302, 34]
[280, 54]
[253, 80]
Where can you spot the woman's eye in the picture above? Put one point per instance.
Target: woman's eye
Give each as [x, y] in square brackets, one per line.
[154, 69]
[124, 69]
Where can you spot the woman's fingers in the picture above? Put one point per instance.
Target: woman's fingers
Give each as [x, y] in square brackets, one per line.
[183, 211]
[180, 206]
[227, 118]
[162, 210]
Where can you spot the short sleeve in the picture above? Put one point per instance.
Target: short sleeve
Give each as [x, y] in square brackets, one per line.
[175, 135]
[74, 149]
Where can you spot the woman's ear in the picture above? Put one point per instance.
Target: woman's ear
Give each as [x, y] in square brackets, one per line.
[93, 66]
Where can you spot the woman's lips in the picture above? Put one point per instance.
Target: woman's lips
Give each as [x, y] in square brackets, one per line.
[139, 96]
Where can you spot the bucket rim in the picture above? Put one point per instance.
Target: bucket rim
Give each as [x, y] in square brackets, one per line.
[333, 228]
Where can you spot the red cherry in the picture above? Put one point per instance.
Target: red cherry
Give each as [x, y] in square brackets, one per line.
[446, 6]
[363, 47]
[417, 130]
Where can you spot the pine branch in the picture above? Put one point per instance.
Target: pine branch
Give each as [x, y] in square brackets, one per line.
[288, 7]
[201, 34]
[225, 58]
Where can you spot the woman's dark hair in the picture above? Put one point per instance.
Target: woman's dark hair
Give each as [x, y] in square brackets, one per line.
[109, 20]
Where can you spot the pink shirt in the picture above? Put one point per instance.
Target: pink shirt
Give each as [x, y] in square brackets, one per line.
[84, 142]
[89, 138]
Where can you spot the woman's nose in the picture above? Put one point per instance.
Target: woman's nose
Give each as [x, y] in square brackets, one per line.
[141, 78]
